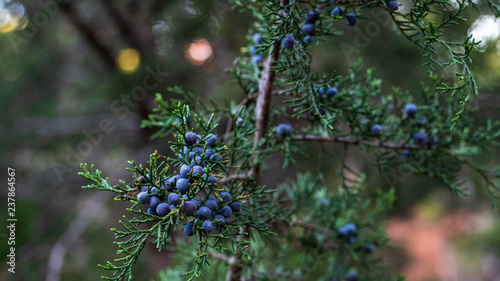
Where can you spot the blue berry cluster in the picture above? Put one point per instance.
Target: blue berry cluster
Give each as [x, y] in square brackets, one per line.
[349, 233]
[308, 27]
[350, 18]
[187, 193]
[257, 59]
[420, 138]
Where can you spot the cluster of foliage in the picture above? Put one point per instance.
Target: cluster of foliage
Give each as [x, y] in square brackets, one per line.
[306, 229]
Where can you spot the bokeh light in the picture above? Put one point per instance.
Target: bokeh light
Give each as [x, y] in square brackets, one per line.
[128, 60]
[486, 29]
[198, 52]
[12, 17]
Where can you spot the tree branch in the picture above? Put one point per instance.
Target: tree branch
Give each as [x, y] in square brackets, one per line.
[345, 140]
[89, 34]
[309, 226]
[134, 38]
[86, 215]
[233, 177]
[262, 115]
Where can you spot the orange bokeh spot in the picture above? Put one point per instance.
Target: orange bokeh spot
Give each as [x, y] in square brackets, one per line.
[198, 52]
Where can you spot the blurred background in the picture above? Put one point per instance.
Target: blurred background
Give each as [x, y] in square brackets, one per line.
[77, 77]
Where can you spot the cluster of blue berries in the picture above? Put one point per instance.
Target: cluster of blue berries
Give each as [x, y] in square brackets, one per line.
[349, 233]
[181, 192]
[351, 18]
[257, 59]
[420, 138]
[308, 28]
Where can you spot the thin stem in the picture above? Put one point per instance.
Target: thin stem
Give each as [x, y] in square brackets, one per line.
[309, 226]
[262, 116]
[345, 140]
[240, 177]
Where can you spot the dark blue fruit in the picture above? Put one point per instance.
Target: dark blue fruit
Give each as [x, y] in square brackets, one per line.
[312, 16]
[153, 202]
[320, 91]
[221, 222]
[368, 249]
[209, 152]
[226, 197]
[375, 130]
[239, 121]
[170, 183]
[420, 121]
[197, 201]
[188, 122]
[236, 207]
[182, 185]
[207, 226]
[420, 138]
[288, 42]
[184, 171]
[352, 19]
[331, 92]
[351, 228]
[212, 181]
[191, 138]
[198, 151]
[188, 229]
[154, 190]
[174, 199]
[411, 110]
[204, 213]
[308, 39]
[257, 39]
[226, 211]
[152, 211]
[211, 140]
[215, 157]
[351, 275]
[198, 161]
[392, 6]
[352, 239]
[308, 29]
[211, 204]
[252, 50]
[342, 232]
[143, 197]
[406, 153]
[163, 209]
[197, 171]
[257, 60]
[142, 179]
[337, 11]
[283, 129]
[189, 208]
[184, 152]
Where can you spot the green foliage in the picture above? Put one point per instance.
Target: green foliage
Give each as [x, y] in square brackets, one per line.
[292, 231]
